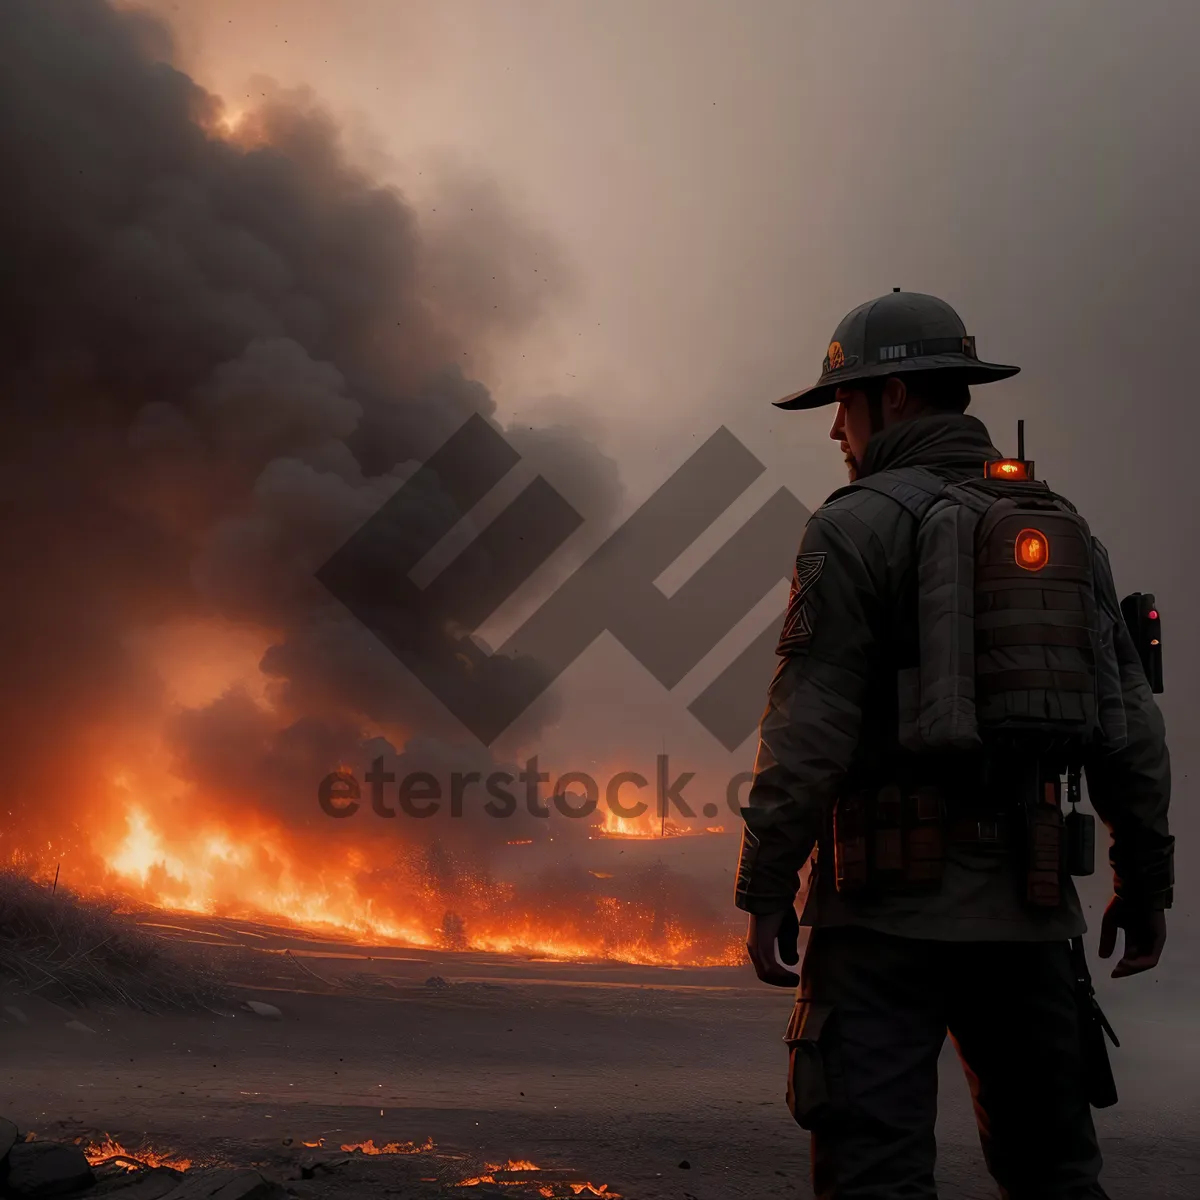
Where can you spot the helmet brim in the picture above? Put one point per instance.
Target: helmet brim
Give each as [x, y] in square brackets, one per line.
[967, 370]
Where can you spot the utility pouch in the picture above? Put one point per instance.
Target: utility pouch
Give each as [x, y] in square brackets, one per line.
[810, 1085]
[907, 839]
[1079, 836]
[1093, 1028]
[1044, 848]
[850, 832]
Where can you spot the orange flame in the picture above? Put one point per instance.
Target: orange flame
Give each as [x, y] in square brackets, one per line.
[573, 1187]
[369, 1147]
[262, 870]
[97, 1152]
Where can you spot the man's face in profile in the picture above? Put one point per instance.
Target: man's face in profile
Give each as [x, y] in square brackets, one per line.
[852, 427]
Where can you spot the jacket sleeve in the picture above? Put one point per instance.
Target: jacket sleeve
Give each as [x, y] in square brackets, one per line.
[811, 726]
[1130, 788]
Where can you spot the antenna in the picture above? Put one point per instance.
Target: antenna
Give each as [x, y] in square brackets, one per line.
[1021, 440]
[662, 832]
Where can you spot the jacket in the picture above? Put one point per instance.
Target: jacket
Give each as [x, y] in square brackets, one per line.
[831, 724]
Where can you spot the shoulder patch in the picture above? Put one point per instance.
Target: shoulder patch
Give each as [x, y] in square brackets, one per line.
[797, 624]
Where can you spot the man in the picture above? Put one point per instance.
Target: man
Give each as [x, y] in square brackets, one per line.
[886, 975]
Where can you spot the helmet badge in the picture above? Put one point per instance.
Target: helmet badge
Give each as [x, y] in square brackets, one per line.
[835, 357]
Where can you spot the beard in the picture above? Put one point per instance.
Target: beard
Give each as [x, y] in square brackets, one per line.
[851, 467]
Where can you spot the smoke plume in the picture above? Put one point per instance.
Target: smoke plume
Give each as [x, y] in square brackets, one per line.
[222, 347]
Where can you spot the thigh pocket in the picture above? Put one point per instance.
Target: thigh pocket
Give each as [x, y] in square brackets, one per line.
[810, 1088]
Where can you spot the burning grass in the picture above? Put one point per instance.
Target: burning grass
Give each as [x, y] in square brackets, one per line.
[369, 1147]
[430, 896]
[551, 1183]
[84, 951]
[110, 1151]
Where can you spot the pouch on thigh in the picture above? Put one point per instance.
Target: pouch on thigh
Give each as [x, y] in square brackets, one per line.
[812, 1084]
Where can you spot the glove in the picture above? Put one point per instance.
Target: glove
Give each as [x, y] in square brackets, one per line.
[766, 932]
[1145, 936]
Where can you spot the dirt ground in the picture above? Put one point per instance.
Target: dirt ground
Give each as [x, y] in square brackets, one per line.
[609, 1074]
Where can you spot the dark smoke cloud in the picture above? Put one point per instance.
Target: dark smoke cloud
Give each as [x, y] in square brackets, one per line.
[220, 352]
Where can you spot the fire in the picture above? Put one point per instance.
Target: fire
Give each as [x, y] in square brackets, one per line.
[214, 867]
[98, 1152]
[369, 1147]
[647, 825]
[176, 854]
[550, 1183]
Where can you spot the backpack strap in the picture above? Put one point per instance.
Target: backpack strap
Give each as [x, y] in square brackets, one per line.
[914, 488]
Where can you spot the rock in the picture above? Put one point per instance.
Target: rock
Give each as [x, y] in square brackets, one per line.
[315, 1167]
[10, 1135]
[262, 1010]
[42, 1169]
[685, 1165]
[436, 981]
[79, 1027]
[154, 1183]
[226, 1183]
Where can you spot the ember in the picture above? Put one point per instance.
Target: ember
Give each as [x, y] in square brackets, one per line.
[110, 1149]
[369, 1147]
[550, 1182]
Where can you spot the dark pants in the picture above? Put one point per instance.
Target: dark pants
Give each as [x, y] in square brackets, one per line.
[872, 1018]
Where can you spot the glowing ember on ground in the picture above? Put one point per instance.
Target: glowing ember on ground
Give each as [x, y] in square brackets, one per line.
[369, 1147]
[98, 1152]
[550, 1182]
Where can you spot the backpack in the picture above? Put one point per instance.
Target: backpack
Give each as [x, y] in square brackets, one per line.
[1016, 649]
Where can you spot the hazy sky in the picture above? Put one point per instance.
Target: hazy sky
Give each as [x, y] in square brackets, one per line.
[726, 180]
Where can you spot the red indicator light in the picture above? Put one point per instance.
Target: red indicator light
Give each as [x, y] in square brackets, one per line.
[1006, 468]
[1153, 614]
[1032, 549]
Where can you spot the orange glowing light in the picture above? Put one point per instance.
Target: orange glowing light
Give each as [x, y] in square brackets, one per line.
[1006, 468]
[98, 1152]
[165, 844]
[524, 1174]
[257, 869]
[1032, 549]
[369, 1147]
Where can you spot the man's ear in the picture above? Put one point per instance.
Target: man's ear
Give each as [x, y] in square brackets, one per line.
[894, 396]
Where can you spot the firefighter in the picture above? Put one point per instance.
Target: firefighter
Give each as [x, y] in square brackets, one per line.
[924, 913]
